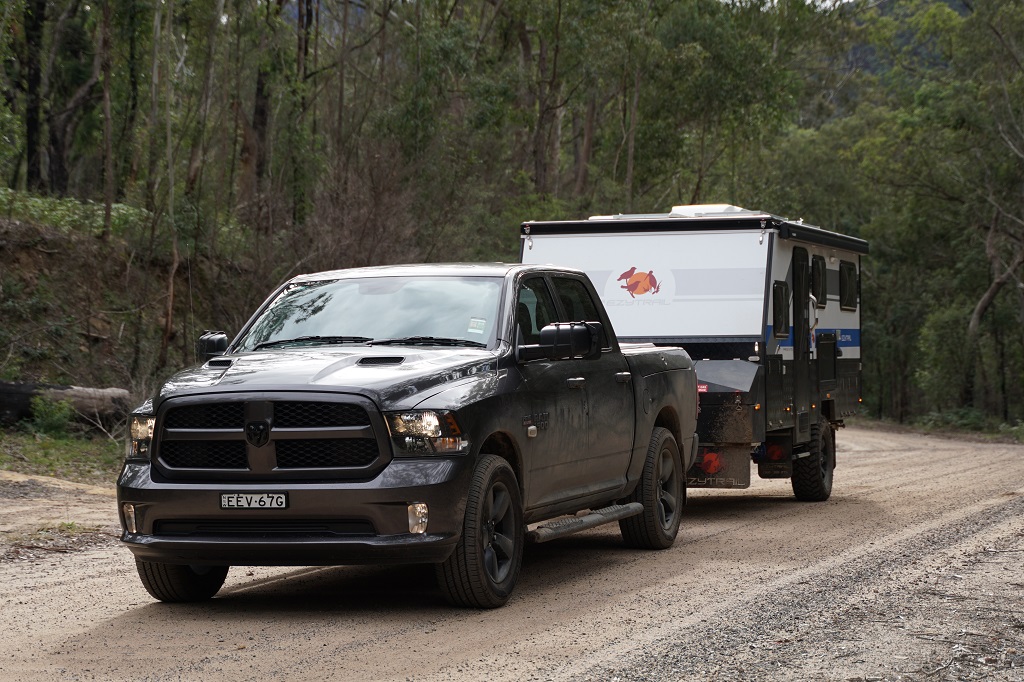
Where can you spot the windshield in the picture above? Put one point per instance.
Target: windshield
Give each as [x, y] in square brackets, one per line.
[455, 309]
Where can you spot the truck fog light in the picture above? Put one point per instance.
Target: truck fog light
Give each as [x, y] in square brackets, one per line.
[129, 517]
[418, 517]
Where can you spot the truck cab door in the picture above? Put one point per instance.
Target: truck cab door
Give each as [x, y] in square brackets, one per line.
[608, 393]
[554, 421]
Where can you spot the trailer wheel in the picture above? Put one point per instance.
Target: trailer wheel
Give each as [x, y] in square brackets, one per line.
[172, 583]
[662, 493]
[484, 568]
[812, 475]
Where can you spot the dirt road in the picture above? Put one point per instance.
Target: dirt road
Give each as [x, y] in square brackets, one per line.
[912, 571]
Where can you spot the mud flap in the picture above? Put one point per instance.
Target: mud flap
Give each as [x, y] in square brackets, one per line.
[775, 458]
[720, 466]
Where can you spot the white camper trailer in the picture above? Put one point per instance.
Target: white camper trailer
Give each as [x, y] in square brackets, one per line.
[768, 307]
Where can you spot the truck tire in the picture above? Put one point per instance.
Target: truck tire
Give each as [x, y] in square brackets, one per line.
[662, 493]
[484, 568]
[173, 583]
[812, 475]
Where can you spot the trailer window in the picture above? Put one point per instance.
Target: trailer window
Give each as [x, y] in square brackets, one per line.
[849, 285]
[819, 282]
[780, 310]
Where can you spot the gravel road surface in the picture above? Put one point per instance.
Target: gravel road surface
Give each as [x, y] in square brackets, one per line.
[913, 570]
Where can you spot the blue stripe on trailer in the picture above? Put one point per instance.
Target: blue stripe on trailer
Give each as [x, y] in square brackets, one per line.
[845, 338]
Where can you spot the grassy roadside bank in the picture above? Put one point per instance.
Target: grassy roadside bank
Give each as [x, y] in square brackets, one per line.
[83, 459]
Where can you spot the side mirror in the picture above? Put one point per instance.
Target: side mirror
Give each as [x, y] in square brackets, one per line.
[565, 340]
[211, 344]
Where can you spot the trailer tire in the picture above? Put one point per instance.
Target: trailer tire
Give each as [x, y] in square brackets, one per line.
[173, 583]
[812, 475]
[484, 568]
[661, 491]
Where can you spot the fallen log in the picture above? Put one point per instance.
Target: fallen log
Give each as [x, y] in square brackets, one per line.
[101, 403]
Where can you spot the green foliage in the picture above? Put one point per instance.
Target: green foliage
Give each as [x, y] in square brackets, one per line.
[946, 358]
[84, 459]
[11, 140]
[431, 130]
[51, 417]
[69, 214]
[1015, 431]
[959, 419]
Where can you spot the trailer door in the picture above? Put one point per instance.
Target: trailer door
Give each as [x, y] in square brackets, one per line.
[801, 344]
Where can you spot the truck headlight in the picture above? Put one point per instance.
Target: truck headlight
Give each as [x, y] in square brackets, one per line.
[426, 432]
[140, 436]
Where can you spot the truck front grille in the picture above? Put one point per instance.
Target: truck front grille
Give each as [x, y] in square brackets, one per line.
[300, 454]
[207, 416]
[232, 438]
[296, 414]
[209, 454]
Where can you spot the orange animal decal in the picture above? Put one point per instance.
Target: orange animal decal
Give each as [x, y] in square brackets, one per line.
[639, 283]
[711, 463]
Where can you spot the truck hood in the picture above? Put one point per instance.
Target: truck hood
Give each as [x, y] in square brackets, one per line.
[394, 377]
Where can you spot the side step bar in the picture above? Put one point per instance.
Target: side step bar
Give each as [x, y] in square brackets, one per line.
[559, 528]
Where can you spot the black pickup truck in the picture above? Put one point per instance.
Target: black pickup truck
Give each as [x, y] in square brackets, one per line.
[439, 414]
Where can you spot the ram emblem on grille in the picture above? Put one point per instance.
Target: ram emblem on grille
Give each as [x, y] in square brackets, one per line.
[257, 433]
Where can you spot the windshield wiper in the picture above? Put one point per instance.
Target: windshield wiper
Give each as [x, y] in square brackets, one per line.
[314, 339]
[428, 341]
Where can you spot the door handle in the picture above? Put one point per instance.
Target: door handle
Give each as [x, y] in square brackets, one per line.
[623, 377]
[575, 382]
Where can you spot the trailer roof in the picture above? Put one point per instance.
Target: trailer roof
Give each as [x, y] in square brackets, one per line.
[700, 217]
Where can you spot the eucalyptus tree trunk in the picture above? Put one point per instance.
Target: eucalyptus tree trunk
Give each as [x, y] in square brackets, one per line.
[171, 226]
[108, 126]
[197, 154]
[35, 18]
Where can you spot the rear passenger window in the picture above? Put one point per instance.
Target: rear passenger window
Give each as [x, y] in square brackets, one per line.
[578, 304]
[780, 310]
[849, 285]
[819, 281]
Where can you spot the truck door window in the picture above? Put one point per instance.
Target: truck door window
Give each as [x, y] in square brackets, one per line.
[780, 310]
[578, 304]
[534, 309]
[819, 282]
[849, 285]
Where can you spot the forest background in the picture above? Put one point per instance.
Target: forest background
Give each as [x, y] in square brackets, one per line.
[166, 163]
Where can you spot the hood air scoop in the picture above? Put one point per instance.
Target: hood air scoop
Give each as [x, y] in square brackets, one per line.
[383, 360]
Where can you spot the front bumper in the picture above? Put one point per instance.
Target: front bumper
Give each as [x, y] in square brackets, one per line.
[181, 522]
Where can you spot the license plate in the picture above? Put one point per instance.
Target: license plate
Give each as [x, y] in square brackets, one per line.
[254, 500]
